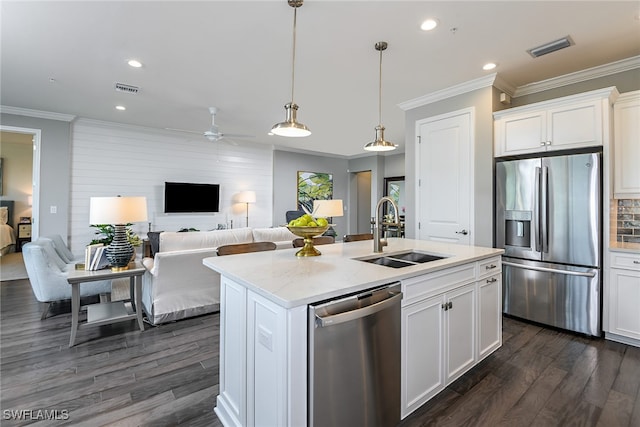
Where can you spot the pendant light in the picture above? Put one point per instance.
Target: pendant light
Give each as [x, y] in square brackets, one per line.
[291, 127]
[380, 144]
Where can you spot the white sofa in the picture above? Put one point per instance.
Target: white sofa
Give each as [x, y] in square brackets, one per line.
[177, 285]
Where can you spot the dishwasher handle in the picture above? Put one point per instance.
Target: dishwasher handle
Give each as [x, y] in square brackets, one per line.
[347, 316]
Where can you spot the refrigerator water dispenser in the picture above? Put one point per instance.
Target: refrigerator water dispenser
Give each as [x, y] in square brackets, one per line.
[517, 228]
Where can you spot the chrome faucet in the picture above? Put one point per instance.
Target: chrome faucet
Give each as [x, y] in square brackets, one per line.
[378, 242]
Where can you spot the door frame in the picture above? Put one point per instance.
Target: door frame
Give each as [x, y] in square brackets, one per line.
[469, 111]
[35, 179]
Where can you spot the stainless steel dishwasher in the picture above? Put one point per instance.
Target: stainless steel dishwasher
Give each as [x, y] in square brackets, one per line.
[354, 359]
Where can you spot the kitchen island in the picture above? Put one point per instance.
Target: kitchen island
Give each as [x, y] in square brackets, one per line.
[263, 321]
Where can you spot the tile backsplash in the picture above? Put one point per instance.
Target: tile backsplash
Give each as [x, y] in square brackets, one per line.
[627, 220]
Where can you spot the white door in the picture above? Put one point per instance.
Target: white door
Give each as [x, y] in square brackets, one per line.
[444, 198]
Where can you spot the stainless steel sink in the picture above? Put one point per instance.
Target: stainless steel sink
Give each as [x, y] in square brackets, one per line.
[388, 262]
[402, 259]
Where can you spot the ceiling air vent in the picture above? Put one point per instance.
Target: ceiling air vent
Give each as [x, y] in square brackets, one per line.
[550, 47]
[121, 87]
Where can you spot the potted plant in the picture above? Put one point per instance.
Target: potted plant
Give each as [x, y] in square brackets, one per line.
[105, 234]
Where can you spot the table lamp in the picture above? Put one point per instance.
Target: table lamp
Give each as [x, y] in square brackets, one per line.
[327, 208]
[247, 197]
[118, 211]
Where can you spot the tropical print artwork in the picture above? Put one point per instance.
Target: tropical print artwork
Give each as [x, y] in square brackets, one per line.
[313, 186]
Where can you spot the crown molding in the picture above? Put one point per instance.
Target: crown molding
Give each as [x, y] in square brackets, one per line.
[36, 113]
[579, 76]
[449, 92]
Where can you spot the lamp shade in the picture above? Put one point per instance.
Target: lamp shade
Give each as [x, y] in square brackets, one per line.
[117, 210]
[327, 208]
[246, 197]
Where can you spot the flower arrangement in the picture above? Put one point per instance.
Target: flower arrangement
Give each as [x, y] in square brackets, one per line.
[106, 232]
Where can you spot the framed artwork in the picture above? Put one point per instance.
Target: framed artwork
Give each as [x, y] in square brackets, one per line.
[313, 186]
[0, 176]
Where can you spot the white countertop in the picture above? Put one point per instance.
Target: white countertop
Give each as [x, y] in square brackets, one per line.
[624, 247]
[290, 281]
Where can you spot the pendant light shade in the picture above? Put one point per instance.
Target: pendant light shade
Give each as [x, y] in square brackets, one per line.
[290, 127]
[380, 144]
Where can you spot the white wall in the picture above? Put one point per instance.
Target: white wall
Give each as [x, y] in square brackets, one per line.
[110, 159]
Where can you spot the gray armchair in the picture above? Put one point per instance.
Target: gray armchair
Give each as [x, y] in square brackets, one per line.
[47, 273]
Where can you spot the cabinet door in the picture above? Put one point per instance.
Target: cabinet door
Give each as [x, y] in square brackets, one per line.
[624, 315]
[521, 133]
[232, 398]
[626, 152]
[574, 126]
[460, 324]
[266, 362]
[489, 315]
[422, 344]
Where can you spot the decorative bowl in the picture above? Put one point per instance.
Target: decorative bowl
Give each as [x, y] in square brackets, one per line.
[308, 233]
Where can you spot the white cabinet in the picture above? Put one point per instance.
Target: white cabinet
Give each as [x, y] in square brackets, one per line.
[489, 295]
[624, 298]
[450, 320]
[263, 363]
[626, 146]
[437, 345]
[566, 123]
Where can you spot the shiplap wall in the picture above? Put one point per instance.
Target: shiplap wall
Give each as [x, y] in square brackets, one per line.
[110, 159]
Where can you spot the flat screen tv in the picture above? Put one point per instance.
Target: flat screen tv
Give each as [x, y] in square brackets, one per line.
[186, 197]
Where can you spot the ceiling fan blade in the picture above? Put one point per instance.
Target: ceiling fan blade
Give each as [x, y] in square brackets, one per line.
[184, 130]
[236, 135]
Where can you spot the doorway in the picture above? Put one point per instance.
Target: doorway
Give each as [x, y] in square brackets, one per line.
[24, 190]
[363, 202]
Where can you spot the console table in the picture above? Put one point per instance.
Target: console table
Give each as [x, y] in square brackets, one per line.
[109, 312]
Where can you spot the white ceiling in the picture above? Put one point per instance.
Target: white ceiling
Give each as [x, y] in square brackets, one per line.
[65, 57]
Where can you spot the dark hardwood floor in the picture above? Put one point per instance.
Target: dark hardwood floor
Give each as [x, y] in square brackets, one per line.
[168, 375]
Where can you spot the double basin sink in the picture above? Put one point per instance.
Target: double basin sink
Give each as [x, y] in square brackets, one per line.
[402, 259]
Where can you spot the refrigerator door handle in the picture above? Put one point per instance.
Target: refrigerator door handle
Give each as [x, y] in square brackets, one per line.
[548, 270]
[544, 208]
[536, 210]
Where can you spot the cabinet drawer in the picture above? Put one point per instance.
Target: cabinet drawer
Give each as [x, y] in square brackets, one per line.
[625, 260]
[489, 266]
[421, 287]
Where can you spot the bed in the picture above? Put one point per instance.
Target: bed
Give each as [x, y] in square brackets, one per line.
[7, 232]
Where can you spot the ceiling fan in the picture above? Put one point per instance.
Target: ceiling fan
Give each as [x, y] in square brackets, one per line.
[213, 133]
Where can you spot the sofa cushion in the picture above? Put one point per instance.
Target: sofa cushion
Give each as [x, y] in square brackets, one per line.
[275, 234]
[178, 241]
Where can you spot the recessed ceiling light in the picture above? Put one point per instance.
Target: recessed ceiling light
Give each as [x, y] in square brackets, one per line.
[134, 63]
[429, 24]
[121, 107]
[489, 66]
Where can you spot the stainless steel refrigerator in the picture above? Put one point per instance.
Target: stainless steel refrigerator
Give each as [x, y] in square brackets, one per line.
[548, 220]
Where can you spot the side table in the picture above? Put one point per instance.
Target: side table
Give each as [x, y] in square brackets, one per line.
[110, 312]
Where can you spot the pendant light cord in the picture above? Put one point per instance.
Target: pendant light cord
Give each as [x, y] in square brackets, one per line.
[380, 93]
[293, 60]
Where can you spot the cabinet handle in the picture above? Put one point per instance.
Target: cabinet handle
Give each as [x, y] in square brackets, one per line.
[489, 267]
[493, 279]
[548, 142]
[543, 143]
[636, 262]
[464, 232]
[450, 305]
[445, 306]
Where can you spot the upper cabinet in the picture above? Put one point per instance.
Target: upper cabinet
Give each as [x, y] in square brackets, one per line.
[626, 146]
[565, 123]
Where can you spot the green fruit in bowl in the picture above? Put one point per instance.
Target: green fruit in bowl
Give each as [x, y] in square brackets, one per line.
[312, 224]
[322, 222]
